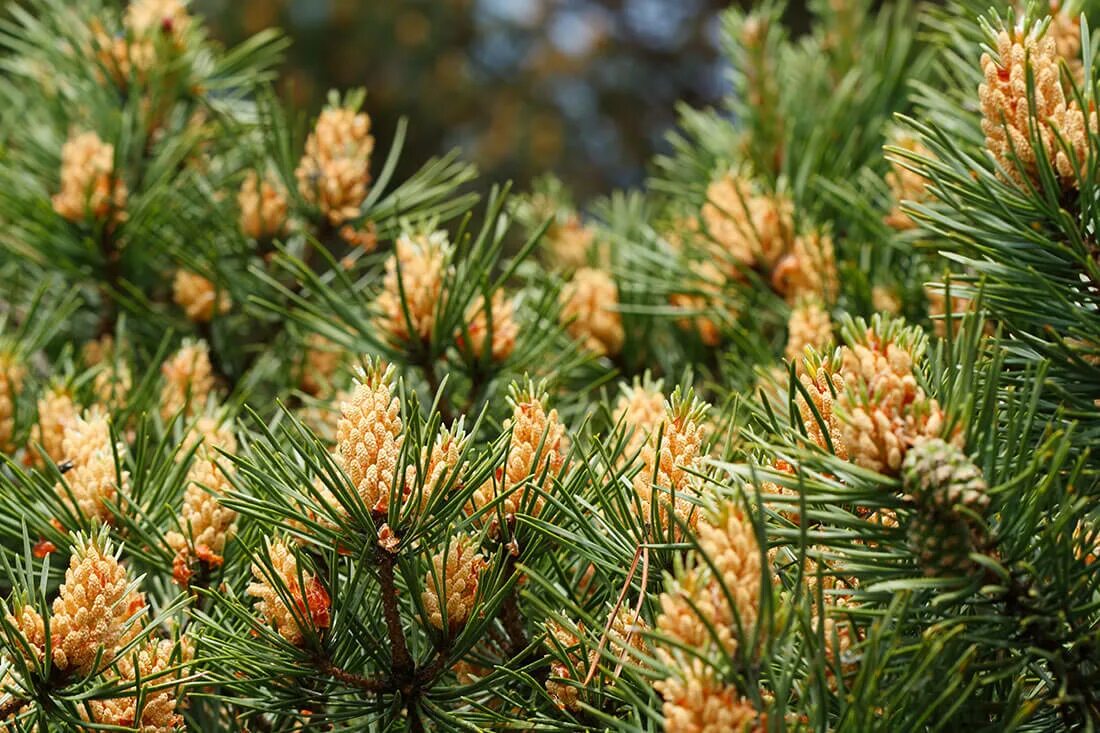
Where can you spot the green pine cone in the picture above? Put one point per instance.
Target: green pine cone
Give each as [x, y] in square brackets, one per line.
[942, 544]
[939, 476]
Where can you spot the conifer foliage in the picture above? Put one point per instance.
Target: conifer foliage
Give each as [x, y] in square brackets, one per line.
[796, 438]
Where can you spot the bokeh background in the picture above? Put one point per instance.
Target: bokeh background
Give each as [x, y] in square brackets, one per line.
[582, 88]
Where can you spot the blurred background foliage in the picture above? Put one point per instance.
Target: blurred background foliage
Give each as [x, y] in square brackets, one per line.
[582, 88]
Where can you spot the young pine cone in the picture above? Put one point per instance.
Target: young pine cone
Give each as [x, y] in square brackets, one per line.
[940, 476]
[451, 586]
[942, 542]
[941, 479]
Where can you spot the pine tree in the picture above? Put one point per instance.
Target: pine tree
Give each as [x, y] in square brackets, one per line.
[797, 438]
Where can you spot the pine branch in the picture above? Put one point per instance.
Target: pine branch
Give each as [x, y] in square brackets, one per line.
[373, 685]
[402, 662]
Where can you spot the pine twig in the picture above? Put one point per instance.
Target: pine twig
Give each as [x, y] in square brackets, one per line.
[111, 278]
[401, 660]
[511, 617]
[373, 685]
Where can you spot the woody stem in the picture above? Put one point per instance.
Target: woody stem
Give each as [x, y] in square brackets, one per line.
[401, 661]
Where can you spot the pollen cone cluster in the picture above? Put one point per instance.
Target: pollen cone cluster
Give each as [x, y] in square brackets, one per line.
[696, 701]
[451, 585]
[442, 464]
[12, 372]
[122, 60]
[569, 667]
[1005, 106]
[155, 663]
[320, 364]
[570, 242]
[1065, 28]
[369, 437]
[536, 455]
[808, 325]
[310, 600]
[205, 524]
[697, 614]
[562, 685]
[199, 298]
[263, 207]
[905, 184]
[823, 381]
[416, 270]
[497, 328]
[641, 410]
[671, 456]
[334, 171]
[113, 381]
[884, 412]
[708, 291]
[188, 380]
[92, 480]
[89, 187]
[56, 412]
[589, 308]
[698, 598]
[747, 227]
[808, 269]
[148, 17]
[93, 609]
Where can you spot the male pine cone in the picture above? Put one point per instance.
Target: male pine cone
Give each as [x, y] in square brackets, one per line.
[941, 480]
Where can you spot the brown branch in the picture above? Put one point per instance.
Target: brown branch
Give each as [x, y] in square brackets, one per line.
[111, 277]
[373, 685]
[401, 660]
[427, 674]
[511, 617]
